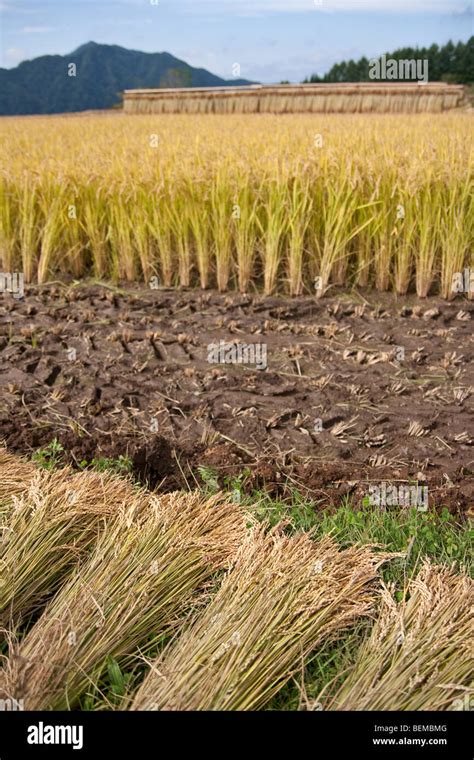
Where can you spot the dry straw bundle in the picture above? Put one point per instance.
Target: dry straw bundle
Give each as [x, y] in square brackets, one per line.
[15, 476]
[420, 654]
[284, 597]
[48, 529]
[142, 576]
[313, 98]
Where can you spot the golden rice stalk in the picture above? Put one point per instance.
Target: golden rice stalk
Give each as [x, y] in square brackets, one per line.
[420, 653]
[28, 227]
[48, 529]
[52, 233]
[199, 226]
[428, 212]
[245, 234]
[365, 248]
[141, 577]
[160, 233]
[123, 250]
[339, 213]
[404, 256]
[300, 210]
[181, 229]
[8, 234]
[141, 237]
[284, 597]
[273, 227]
[456, 236]
[93, 222]
[16, 474]
[221, 216]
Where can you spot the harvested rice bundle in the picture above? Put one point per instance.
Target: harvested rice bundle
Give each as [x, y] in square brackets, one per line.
[48, 530]
[284, 597]
[142, 576]
[420, 653]
[15, 476]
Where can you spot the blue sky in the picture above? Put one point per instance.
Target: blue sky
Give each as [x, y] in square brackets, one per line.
[271, 40]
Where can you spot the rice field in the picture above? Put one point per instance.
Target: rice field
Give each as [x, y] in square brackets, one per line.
[294, 204]
[248, 560]
[193, 602]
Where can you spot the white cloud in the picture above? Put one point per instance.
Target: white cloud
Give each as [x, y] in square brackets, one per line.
[13, 56]
[248, 7]
[38, 29]
[5, 6]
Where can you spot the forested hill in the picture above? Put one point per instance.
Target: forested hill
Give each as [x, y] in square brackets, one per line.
[43, 85]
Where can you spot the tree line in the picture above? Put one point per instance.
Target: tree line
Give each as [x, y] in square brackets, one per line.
[452, 63]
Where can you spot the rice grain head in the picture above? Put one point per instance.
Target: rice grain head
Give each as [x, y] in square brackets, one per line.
[420, 652]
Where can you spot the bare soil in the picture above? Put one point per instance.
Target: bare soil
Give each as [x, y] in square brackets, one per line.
[357, 387]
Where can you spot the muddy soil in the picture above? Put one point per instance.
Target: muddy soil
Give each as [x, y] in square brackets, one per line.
[325, 396]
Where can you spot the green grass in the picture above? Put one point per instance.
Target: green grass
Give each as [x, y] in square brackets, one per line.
[52, 456]
[439, 535]
[121, 466]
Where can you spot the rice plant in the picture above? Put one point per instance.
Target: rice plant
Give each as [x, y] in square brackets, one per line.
[383, 200]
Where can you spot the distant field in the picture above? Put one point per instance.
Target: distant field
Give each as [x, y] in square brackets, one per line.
[288, 203]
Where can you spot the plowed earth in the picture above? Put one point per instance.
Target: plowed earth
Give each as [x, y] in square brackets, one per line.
[356, 389]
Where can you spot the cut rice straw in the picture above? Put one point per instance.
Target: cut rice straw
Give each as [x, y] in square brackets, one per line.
[16, 474]
[284, 597]
[420, 653]
[47, 530]
[141, 578]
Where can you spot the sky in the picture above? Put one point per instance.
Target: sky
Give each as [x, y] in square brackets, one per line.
[270, 40]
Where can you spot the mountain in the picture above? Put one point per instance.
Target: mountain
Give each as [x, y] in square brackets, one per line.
[102, 72]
